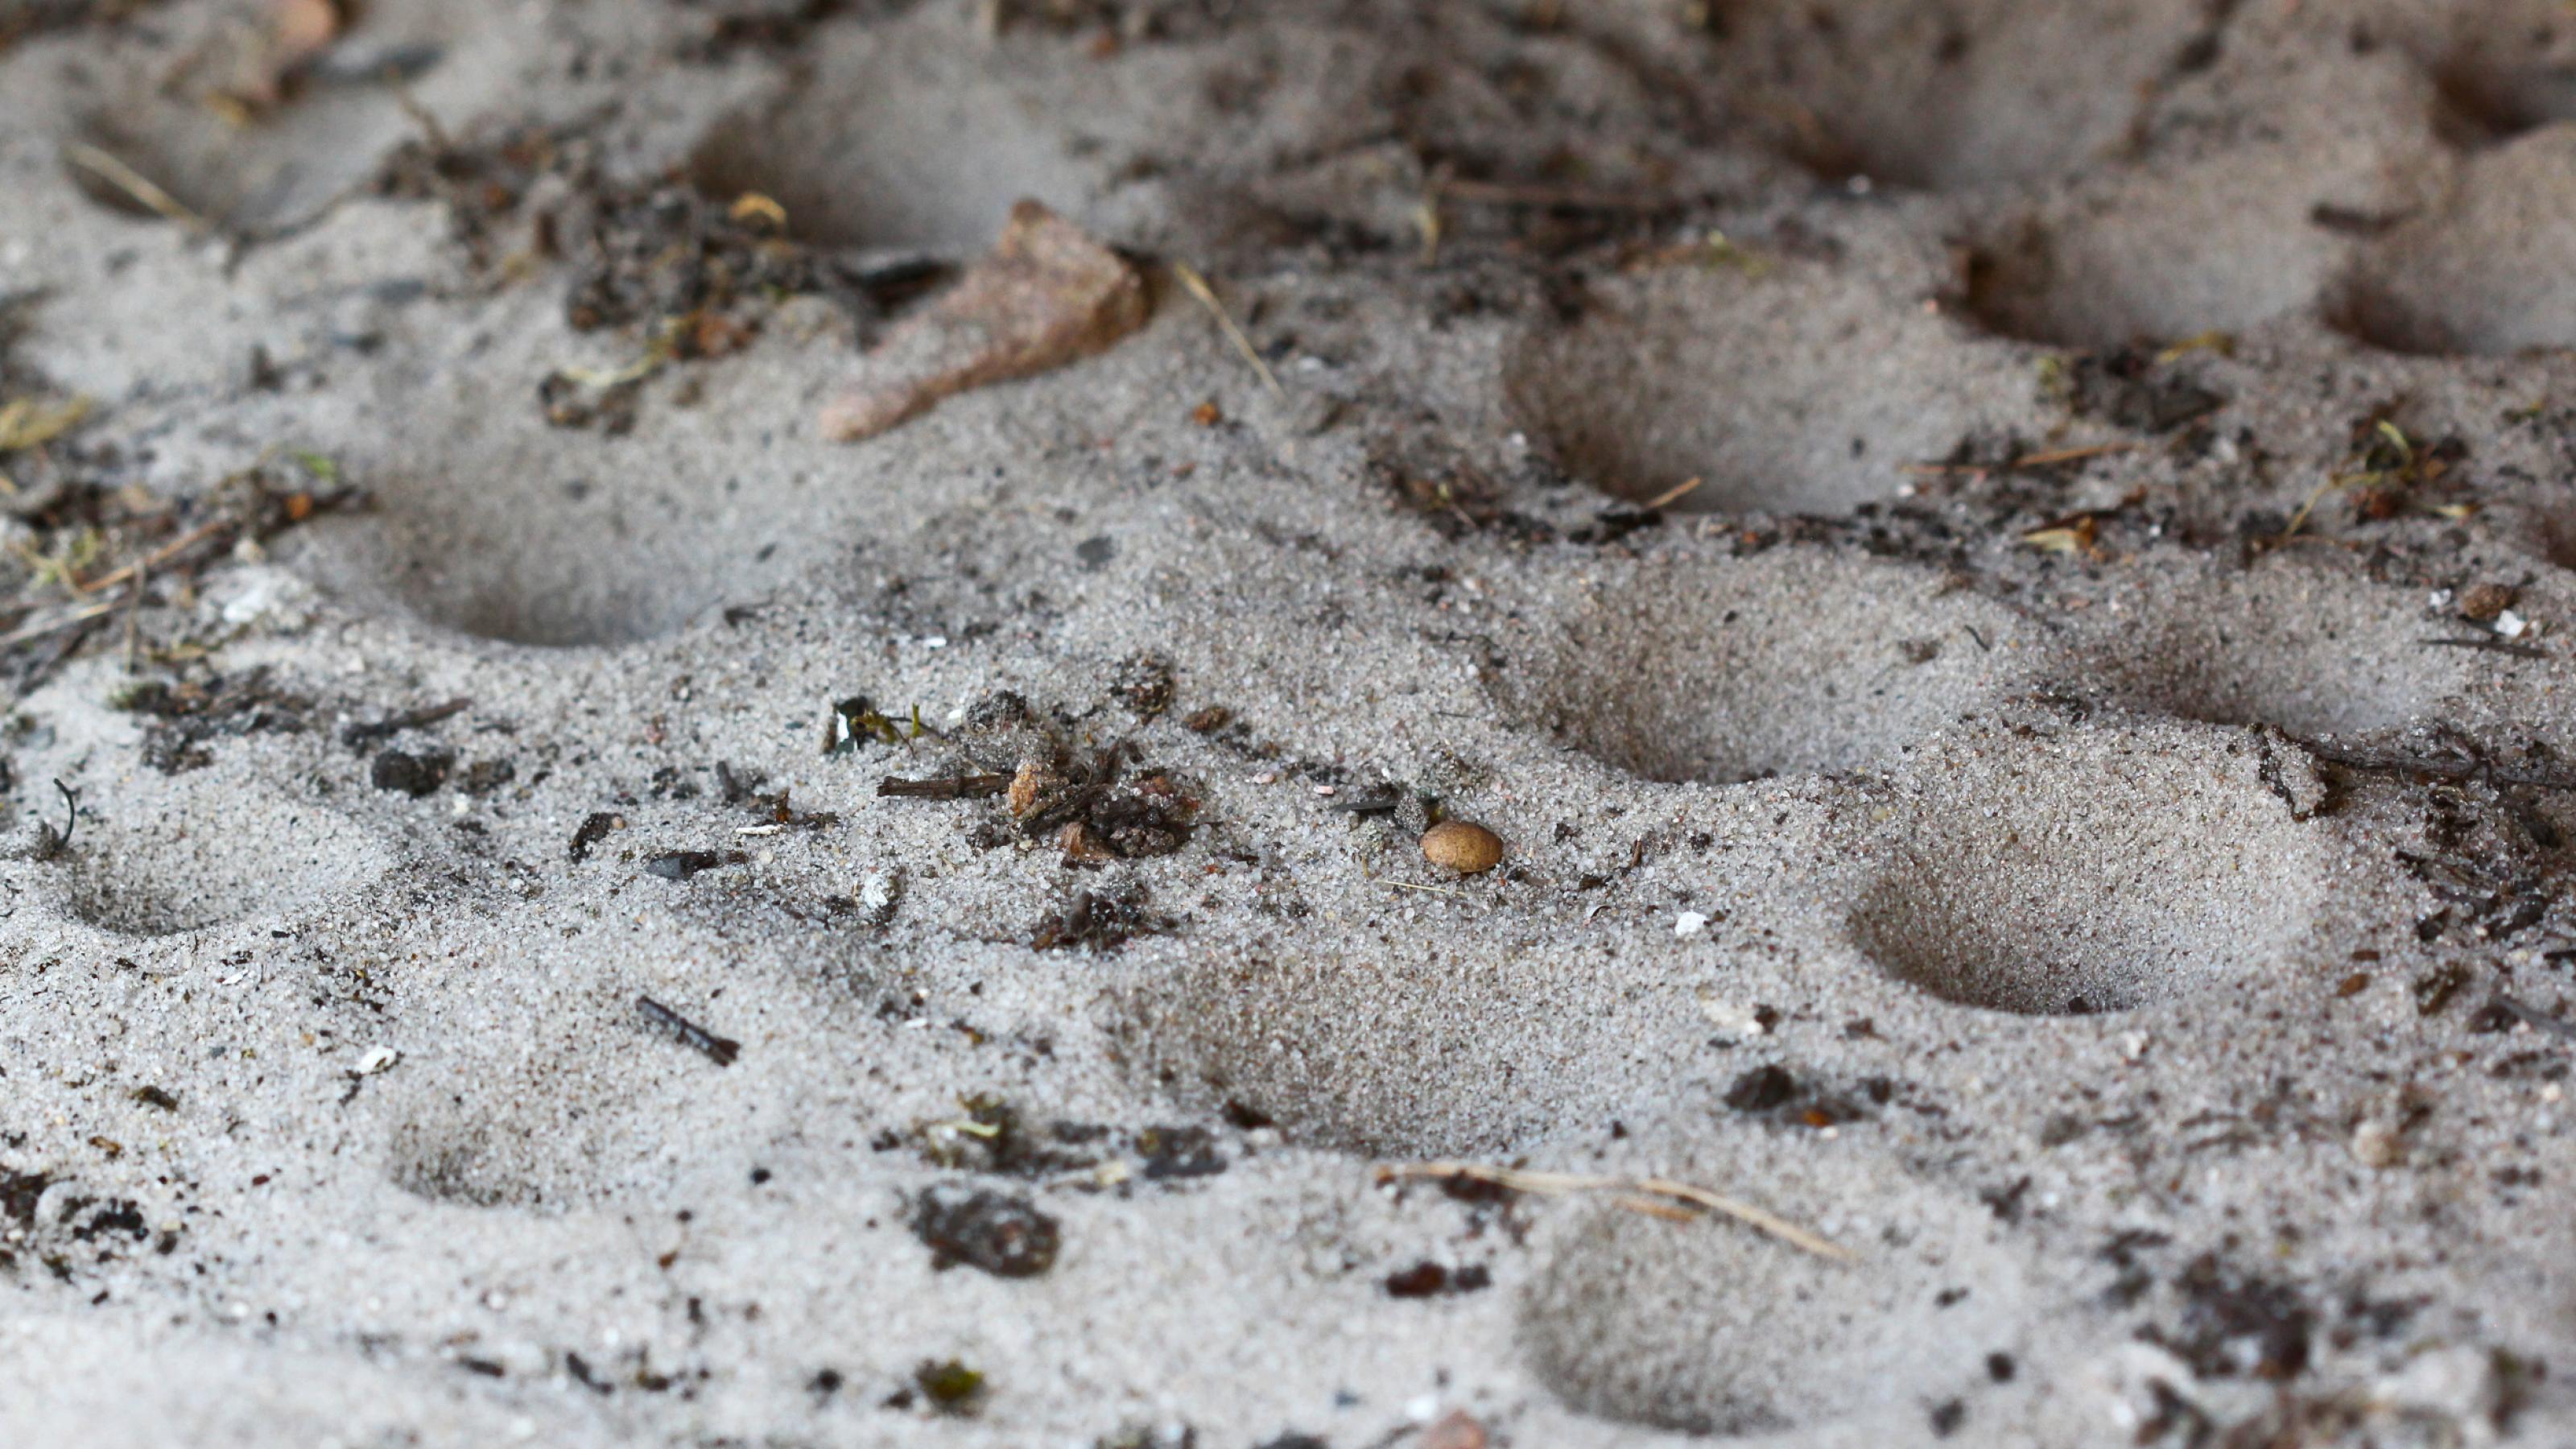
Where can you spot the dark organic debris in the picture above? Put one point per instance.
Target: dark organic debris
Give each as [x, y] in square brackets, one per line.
[1174, 1152]
[2232, 1324]
[364, 732]
[594, 829]
[991, 1137]
[416, 775]
[1761, 1089]
[1051, 786]
[1427, 1279]
[718, 1049]
[1002, 1233]
[2134, 389]
[950, 1385]
[1143, 683]
[1098, 921]
[682, 864]
[185, 714]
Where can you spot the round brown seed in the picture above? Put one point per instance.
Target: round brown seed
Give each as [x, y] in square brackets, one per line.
[1464, 848]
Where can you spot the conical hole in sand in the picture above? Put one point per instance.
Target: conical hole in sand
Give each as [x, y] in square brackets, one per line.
[1781, 393]
[1708, 1327]
[877, 154]
[214, 853]
[2477, 276]
[1944, 97]
[526, 536]
[1787, 663]
[1388, 1040]
[2089, 875]
[189, 135]
[2510, 70]
[2311, 652]
[2147, 268]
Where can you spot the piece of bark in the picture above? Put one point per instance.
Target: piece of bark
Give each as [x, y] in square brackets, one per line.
[1047, 295]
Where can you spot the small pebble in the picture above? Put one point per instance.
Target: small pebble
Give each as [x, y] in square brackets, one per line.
[2485, 601]
[1464, 848]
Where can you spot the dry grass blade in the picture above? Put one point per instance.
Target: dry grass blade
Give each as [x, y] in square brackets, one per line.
[1199, 288]
[145, 192]
[26, 423]
[1675, 494]
[1656, 1195]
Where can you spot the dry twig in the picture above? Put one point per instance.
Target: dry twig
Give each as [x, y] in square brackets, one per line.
[1655, 1195]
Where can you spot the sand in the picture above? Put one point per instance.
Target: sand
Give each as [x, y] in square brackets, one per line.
[2072, 807]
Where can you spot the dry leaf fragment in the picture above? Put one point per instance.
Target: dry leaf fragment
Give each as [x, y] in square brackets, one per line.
[1047, 294]
[2067, 535]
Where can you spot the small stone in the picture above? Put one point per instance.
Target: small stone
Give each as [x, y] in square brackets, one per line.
[2485, 601]
[1456, 1430]
[2376, 1144]
[1464, 848]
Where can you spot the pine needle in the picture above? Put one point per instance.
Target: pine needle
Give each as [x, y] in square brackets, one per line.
[1206, 294]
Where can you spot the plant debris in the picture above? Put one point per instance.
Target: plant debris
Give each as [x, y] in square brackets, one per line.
[1001, 1233]
[718, 1049]
[417, 775]
[682, 864]
[1659, 1197]
[2135, 389]
[187, 713]
[1085, 798]
[1179, 1152]
[1098, 921]
[594, 828]
[1427, 1279]
[1046, 296]
[950, 1385]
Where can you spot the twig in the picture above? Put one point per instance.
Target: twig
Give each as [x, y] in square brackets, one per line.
[156, 558]
[43, 627]
[952, 787]
[108, 168]
[411, 719]
[718, 1049]
[1675, 494]
[1426, 890]
[1206, 294]
[1565, 198]
[2491, 646]
[1628, 1190]
[2052, 458]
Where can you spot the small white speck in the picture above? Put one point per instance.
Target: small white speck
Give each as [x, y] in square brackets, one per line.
[1690, 923]
[376, 1060]
[2512, 625]
[1424, 1409]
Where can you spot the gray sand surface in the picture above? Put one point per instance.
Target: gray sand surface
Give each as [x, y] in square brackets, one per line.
[2075, 807]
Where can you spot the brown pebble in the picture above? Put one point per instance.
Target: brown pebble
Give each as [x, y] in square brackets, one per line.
[2485, 601]
[1464, 848]
[1459, 1430]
